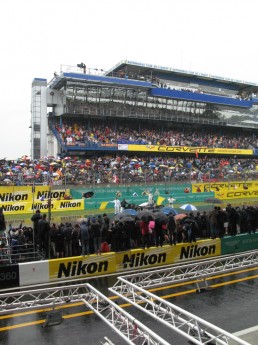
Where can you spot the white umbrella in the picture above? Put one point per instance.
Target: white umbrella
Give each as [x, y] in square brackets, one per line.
[144, 204]
[7, 180]
[188, 207]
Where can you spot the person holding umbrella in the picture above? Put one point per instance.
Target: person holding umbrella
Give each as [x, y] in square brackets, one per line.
[180, 231]
[35, 219]
[171, 227]
[2, 226]
[191, 228]
[160, 226]
[144, 226]
[213, 217]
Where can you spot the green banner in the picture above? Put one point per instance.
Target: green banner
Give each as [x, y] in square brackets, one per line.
[129, 191]
[239, 243]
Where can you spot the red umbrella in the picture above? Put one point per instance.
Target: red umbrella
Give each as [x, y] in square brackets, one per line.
[180, 216]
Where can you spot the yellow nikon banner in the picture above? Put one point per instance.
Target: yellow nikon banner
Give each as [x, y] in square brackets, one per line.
[43, 206]
[197, 250]
[131, 260]
[16, 207]
[29, 193]
[188, 149]
[144, 258]
[67, 205]
[82, 267]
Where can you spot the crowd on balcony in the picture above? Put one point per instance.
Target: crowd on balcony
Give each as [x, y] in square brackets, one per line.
[81, 135]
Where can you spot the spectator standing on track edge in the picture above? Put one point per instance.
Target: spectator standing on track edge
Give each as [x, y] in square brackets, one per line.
[43, 236]
[35, 219]
[2, 226]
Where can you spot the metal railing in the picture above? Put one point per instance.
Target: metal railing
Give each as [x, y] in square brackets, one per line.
[10, 254]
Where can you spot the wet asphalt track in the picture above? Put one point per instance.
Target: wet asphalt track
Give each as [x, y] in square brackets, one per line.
[231, 303]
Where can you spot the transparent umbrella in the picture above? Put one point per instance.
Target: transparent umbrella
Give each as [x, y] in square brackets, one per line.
[188, 207]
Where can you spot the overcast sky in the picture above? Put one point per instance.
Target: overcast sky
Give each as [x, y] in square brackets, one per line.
[37, 36]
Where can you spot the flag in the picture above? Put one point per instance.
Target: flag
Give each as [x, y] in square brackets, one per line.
[160, 200]
[103, 205]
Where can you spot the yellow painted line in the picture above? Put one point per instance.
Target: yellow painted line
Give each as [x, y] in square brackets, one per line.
[38, 322]
[214, 286]
[116, 297]
[125, 305]
[235, 281]
[199, 280]
[20, 325]
[165, 287]
[36, 311]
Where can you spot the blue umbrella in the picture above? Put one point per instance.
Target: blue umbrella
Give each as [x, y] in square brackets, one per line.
[188, 207]
[167, 210]
[130, 212]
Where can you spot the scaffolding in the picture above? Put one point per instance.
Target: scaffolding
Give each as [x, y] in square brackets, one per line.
[197, 271]
[188, 325]
[126, 326]
[132, 288]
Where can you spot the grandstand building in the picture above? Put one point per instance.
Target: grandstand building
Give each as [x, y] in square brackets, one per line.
[135, 95]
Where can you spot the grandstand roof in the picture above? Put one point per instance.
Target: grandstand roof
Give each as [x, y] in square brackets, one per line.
[182, 75]
[59, 81]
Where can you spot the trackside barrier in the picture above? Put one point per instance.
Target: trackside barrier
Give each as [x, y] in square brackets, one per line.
[239, 243]
[161, 199]
[9, 276]
[28, 199]
[101, 192]
[96, 265]
[24, 207]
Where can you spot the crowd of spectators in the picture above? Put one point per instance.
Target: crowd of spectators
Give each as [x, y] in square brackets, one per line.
[241, 95]
[115, 169]
[16, 245]
[167, 84]
[101, 233]
[108, 167]
[73, 134]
